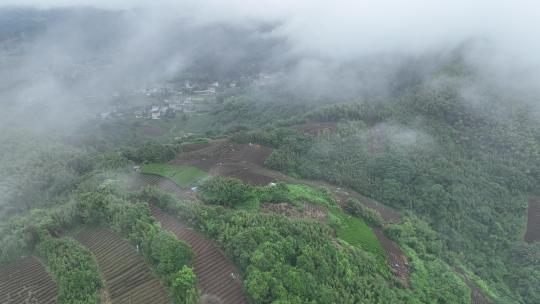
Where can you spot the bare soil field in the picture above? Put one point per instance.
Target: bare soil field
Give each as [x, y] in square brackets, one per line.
[224, 158]
[217, 275]
[194, 147]
[26, 281]
[316, 129]
[533, 220]
[127, 278]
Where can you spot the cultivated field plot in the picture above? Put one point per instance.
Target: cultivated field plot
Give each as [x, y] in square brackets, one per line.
[533, 220]
[217, 276]
[183, 176]
[357, 233]
[26, 281]
[164, 184]
[221, 157]
[127, 278]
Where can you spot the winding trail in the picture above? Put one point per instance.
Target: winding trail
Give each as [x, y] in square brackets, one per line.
[217, 275]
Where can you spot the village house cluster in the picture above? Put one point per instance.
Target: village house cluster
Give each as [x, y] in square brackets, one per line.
[170, 99]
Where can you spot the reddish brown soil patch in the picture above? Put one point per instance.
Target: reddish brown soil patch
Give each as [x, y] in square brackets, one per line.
[533, 220]
[243, 172]
[152, 131]
[26, 281]
[397, 260]
[222, 151]
[217, 275]
[126, 275]
[224, 158]
[477, 296]
[194, 147]
[316, 129]
[310, 211]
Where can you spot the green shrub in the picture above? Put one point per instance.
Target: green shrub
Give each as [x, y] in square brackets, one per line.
[276, 193]
[73, 268]
[183, 286]
[168, 254]
[371, 216]
[225, 191]
[151, 152]
[156, 196]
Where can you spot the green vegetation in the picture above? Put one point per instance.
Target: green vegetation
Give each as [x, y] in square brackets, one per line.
[278, 267]
[373, 217]
[183, 176]
[464, 169]
[225, 191]
[355, 232]
[458, 171]
[168, 255]
[231, 192]
[73, 268]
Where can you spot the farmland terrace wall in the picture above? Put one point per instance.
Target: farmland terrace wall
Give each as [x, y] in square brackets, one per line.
[26, 281]
[127, 278]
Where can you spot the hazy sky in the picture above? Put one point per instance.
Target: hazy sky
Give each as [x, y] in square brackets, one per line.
[345, 26]
[331, 32]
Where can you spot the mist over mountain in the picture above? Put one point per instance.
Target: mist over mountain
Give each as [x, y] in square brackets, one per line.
[321, 152]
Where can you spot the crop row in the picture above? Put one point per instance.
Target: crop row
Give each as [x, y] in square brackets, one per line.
[127, 277]
[216, 274]
[26, 281]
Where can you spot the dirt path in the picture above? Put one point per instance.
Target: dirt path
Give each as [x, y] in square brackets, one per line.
[217, 275]
[533, 220]
[26, 281]
[477, 296]
[397, 260]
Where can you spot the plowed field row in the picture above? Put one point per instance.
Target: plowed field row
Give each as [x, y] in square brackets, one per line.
[127, 278]
[26, 281]
[216, 274]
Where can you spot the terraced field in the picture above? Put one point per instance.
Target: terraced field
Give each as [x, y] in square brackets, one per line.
[127, 278]
[164, 184]
[26, 281]
[217, 276]
[183, 176]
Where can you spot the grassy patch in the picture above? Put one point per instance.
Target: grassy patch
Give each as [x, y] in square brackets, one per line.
[434, 281]
[301, 193]
[357, 233]
[183, 176]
